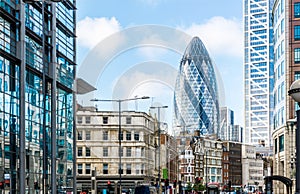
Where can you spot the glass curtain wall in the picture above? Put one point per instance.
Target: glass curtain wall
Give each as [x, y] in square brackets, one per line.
[40, 36]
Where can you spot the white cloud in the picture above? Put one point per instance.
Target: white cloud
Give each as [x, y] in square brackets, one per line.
[91, 31]
[220, 35]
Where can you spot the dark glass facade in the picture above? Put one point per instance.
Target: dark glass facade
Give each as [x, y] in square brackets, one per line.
[196, 104]
[37, 72]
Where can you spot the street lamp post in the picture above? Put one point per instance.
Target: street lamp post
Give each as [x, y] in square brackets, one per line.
[206, 169]
[158, 117]
[294, 92]
[119, 101]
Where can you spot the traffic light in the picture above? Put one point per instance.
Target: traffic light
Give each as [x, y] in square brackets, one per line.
[36, 185]
[1, 185]
[229, 185]
[180, 186]
[109, 187]
[174, 183]
[167, 182]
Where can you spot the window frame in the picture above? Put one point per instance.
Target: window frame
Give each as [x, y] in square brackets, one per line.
[128, 152]
[297, 32]
[105, 152]
[104, 120]
[128, 168]
[79, 152]
[105, 135]
[87, 152]
[87, 120]
[88, 135]
[79, 119]
[136, 136]
[128, 136]
[87, 170]
[105, 168]
[128, 120]
[79, 168]
[79, 135]
[297, 55]
[297, 12]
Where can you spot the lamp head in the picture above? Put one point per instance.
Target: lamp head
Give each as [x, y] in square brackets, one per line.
[294, 91]
[145, 97]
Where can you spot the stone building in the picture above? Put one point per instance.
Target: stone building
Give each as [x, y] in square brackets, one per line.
[234, 150]
[253, 166]
[98, 149]
[202, 158]
[169, 156]
[208, 158]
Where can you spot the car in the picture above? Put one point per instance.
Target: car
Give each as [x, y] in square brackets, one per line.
[145, 189]
[142, 189]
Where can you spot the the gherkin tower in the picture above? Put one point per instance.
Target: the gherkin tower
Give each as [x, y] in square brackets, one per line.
[196, 104]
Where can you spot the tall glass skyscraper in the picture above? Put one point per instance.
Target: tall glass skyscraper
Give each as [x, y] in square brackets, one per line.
[196, 102]
[258, 71]
[37, 71]
[227, 124]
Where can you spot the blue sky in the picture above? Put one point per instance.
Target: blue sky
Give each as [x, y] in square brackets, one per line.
[146, 65]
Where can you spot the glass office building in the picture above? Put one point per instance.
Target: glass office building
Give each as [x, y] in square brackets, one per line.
[37, 71]
[227, 124]
[196, 102]
[258, 71]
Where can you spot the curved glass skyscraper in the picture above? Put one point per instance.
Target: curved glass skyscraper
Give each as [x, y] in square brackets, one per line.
[196, 104]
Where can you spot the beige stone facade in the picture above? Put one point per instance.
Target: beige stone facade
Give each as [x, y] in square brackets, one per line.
[98, 149]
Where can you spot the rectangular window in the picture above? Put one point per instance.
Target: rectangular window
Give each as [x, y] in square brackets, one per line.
[143, 152]
[88, 169]
[79, 168]
[105, 152]
[79, 135]
[142, 169]
[297, 10]
[105, 120]
[128, 136]
[105, 168]
[79, 151]
[282, 26]
[297, 32]
[87, 120]
[105, 135]
[137, 168]
[297, 75]
[79, 119]
[281, 143]
[87, 151]
[136, 136]
[213, 170]
[297, 55]
[128, 152]
[128, 168]
[128, 120]
[87, 135]
[121, 135]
